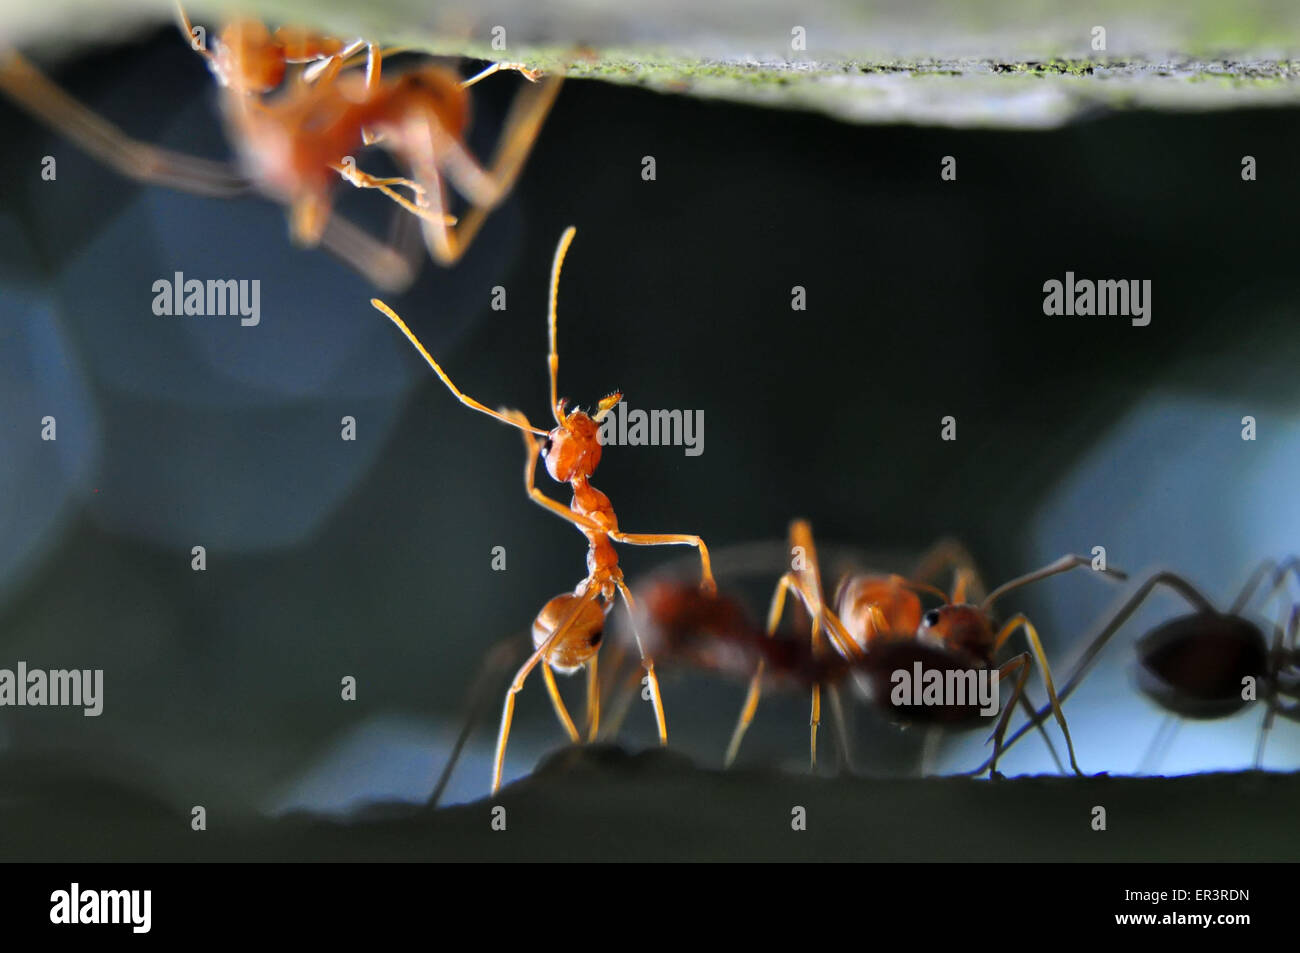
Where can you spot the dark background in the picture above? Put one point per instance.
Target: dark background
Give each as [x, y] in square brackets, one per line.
[372, 559]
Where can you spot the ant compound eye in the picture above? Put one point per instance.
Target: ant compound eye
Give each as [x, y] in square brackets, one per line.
[932, 618]
[594, 639]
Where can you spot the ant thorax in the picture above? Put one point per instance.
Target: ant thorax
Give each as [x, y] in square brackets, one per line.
[863, 599]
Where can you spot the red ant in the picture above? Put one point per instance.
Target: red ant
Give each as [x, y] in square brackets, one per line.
[879, 629]
[1207, 664]
[293, 138]
[568, 631]
[715, 633]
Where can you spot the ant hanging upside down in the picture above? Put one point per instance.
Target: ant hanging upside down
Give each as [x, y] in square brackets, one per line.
[296, 135]
[567, 633]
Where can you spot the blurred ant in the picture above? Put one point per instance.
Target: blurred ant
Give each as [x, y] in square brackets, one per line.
[879, 628]
[715, 633]
[568, 631]
[294, 136]
[1208, 664]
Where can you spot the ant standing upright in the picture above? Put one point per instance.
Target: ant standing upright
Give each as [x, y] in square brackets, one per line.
[567, 632]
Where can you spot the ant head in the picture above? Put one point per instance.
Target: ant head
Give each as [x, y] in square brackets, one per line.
[580, 642]
[961, 626]
[248, 59]
[572, 450]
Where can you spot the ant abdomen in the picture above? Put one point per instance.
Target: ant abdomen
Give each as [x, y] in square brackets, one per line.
[580, 644]
[1199, 665]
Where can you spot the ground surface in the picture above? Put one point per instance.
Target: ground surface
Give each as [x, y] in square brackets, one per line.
[603, 804]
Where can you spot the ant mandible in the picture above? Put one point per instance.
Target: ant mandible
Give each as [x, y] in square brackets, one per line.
[567, 632]
[1206, 664]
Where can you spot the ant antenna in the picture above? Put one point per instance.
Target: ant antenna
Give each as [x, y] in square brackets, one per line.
[464, 398]
[1064, 564]
[553, 357]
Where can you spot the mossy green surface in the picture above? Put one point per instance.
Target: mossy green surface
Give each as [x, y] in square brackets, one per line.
[986, 63]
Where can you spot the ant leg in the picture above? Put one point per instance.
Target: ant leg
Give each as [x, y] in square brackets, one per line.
[814, 721]
[1159, 745]
[44, 101]
[946, 554]
[516, 686]
[1275, 698]
[775, 610]
[808, 571]
[187, 28]
[1027, 704]
[385, 265]
[593, 700]
[322, 69]
[531, 75]
[621, 702]
[1288, 566]
[930, 737]
[557, 701]
[1113, 625]
[374, 70]
[806, 563]
[841, 728]
[364, 180]
[351, 56]
[1018, 664]
[1047, 739]
[501, 656]
[707, 583]
[486, 186]
[656, 699]
[613, 666]
[1256, 576]
[484, 189]
[508, 418]
[1020, 620]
